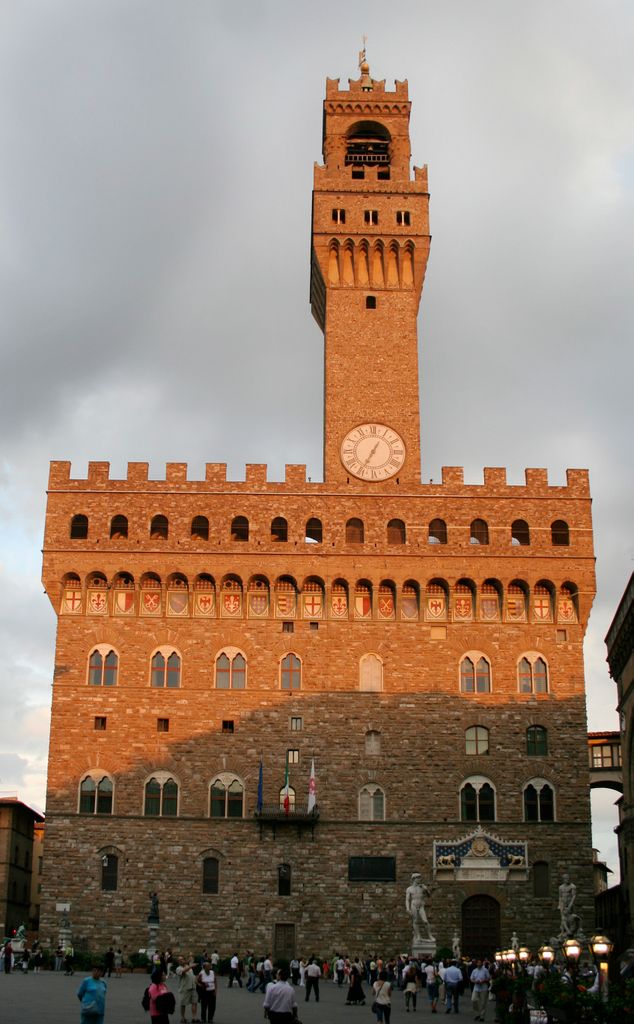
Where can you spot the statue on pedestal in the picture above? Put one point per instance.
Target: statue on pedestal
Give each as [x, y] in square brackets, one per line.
[515, 942]
[415, 896]
[455, 945]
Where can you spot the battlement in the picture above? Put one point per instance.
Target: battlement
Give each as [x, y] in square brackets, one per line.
[366, 88]
[256, 479]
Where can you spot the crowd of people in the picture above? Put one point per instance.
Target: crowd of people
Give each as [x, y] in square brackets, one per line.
[368, 980]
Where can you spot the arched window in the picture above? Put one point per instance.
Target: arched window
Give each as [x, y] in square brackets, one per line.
[95, 795]
[477, 799]
[373, 742]
[200, 527]
[109, 872]
[371, 803]
[118, 527]
[103, 665]
[532, 674]
[226, 798]
[537, 741]
[240, 528]
[314, 531]
[475, 675]
[370, 673]
[396, 531]
[291, 798]
[279, 529]
[520, 534]
[479, 533]
[368, 142]
[210, 875]
[437, 532]
[291, 672]
[283, 880]
[541, 879]
[161, 797]
[159, 528]
[476, 740]
[560, 534]
[354, 531]
[539, 801]
[166, 669]
[231, 670]
[79, 527]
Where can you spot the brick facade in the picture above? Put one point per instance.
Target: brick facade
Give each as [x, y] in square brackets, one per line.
[390, 611]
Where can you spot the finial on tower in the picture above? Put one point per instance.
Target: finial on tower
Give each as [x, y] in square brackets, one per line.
[364, 67]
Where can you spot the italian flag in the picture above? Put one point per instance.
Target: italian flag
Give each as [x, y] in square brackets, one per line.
[287, 800]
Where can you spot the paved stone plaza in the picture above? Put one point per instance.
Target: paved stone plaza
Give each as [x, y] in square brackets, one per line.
[50, 998]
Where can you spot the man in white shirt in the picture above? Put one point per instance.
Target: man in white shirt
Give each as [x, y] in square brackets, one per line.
[234, 971]
[452, 979]
[279, 1000]
[480, 979]
[313, 974]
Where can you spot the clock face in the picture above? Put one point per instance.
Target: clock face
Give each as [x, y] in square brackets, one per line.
[373, 451]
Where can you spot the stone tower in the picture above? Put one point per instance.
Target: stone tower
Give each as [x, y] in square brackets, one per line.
[370, 244]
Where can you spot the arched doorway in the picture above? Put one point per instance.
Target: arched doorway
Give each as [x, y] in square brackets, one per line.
[480, 926]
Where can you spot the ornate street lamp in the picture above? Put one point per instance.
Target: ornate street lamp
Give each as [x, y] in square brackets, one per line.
[524, 955]
[572, 951]
[546, 955]
[601, 947]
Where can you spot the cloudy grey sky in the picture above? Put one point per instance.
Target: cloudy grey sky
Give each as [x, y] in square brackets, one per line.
[157, 168]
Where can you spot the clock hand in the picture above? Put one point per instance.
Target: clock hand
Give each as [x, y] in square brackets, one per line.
[371, 454]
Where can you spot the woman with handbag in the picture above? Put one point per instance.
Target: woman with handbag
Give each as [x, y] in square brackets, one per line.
[382, 1005]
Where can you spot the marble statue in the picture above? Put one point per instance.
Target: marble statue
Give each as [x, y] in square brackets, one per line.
[515, 942]
[569, 919]
[455, 945]
[20, 935]
[415, 896]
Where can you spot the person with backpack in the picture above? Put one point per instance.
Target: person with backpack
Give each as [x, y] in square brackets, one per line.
[157, 998]
[92, 996]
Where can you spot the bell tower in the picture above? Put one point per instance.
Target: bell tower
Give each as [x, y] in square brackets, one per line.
[370, 244]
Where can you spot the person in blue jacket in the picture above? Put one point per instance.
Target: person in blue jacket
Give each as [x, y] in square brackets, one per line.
[92, 996]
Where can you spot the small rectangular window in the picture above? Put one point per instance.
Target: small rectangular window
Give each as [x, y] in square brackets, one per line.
[339, 216]
[227, 725]
[293, 756]
[562, 636]
[438, 633]
[288, 627]
[358, 172]
[371, 216]
[370, 302]
[384, 175]
[100, 723]
[296, 724]
[314, 625]
[402, 218]
[162, 725]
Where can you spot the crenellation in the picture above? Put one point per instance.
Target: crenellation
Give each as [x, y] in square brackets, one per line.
[536, 479]
[176, 473]
[494, 477]
[98, 473]
[452, 476]
[138, 473]
[255, 476]
[295, 476]
[216, 473]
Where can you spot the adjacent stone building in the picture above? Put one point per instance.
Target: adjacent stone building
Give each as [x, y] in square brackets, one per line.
[419, 644]
[620, 645]
[20, 838]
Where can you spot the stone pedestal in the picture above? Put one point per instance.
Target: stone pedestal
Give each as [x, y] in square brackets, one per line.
[424, 948]
[153, 930]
